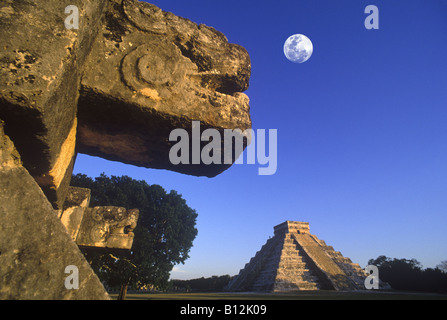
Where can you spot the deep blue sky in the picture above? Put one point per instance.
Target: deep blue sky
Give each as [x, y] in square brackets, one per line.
[362, 133]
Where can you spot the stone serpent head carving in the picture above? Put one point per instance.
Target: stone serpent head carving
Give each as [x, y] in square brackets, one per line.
[168, 72]
[139, 73]
[109, 227]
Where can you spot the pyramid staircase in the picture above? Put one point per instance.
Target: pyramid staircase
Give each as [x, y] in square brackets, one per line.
[295, 260]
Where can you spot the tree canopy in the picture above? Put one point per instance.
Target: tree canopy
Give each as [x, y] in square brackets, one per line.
[163, 237]
[407, 274]
[212, 284]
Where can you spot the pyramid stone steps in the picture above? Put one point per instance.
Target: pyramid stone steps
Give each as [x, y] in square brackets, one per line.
[295, 260]
[296, 286]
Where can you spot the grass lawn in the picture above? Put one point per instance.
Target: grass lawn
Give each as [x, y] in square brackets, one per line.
[308, 295]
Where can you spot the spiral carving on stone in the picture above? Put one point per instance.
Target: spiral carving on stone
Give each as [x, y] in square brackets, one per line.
[152, 66]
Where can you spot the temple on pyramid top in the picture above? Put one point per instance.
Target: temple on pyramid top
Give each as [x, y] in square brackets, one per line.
[292, 227]
[294, 260]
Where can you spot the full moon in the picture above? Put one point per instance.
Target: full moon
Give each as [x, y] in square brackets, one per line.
[298, 48]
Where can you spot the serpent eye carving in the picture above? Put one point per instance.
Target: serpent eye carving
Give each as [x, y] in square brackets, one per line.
[149, 70]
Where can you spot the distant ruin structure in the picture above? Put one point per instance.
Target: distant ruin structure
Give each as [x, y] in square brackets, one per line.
[295, 260]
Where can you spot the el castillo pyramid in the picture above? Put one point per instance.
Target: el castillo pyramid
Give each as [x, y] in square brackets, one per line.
[296, 260]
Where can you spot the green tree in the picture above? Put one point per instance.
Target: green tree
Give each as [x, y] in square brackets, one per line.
[405, 274]
[401, 274]
[442, 266]
[213, 284]
[163, 236]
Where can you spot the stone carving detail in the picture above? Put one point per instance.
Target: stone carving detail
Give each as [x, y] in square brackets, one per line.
[152, 65]
[108, 227]
[103, 227]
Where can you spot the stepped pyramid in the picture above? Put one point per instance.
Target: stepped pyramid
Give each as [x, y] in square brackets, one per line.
[296, 260]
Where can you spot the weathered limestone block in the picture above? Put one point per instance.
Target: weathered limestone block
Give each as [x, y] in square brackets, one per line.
[35, 247]
[76, 202]
[9, 157]
[150, 72]
[40, 64]
[108, 227]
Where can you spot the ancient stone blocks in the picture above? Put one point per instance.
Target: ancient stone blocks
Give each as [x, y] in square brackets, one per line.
[142, 72]
[35, 247]
[145, 74]
[40, 68]
[108, 227]
[76, 202]
[292, 227]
